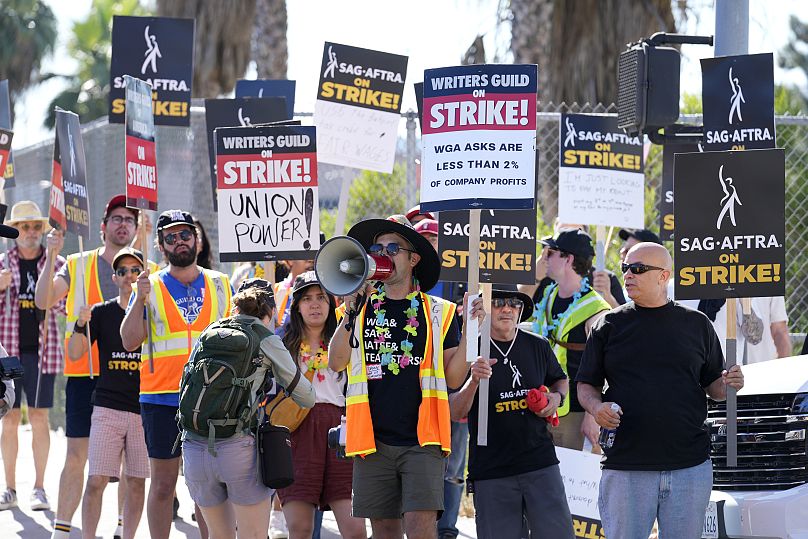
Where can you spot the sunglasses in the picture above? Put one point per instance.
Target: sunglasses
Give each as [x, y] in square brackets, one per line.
[638, 268]
[510, 302]
[184, 235]
[25, 227]
[121, 272]
[391, 248]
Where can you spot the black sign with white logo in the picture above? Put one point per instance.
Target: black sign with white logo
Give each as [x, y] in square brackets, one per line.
[730, 224]
[74, 173]
[7, 171]
[239, 112]
[159, 50]
[666, 220]
[738, 95]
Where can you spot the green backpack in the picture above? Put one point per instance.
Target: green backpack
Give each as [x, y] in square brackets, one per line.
[222, 382]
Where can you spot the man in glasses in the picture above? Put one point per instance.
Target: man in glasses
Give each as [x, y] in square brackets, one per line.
[406, 351]
[21, 332]
[116, 430]
[183, 299]
[92, 285]
[517, 473]
[660, 360]
[564, 315]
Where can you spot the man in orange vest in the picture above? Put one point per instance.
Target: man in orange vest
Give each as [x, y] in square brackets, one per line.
[93, 285]
[183, 299]
[408, 350]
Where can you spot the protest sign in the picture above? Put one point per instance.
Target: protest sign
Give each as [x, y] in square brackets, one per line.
[738, 97]
[74, 173]
[507, 246]
[56, 210]
[140, 154]
[357, 107]
[267, 189]
[730, 224]
[269, 88]
[479, 137]
[600, 175]
[5, 146]
[159, 50]
[666, 219]
[419, 102]
[580, 473]
[7, 171]
[239, 112]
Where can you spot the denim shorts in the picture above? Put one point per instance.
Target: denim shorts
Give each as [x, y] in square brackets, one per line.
[79, 406]
[230, 475]
[161, 430]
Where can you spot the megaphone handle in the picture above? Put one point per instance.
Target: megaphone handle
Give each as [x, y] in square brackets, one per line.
[352, 314]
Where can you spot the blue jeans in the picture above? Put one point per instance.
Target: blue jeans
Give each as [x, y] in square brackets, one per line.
[453, 480]
[631, 500]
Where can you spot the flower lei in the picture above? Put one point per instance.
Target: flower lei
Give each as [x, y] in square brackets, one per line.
[383, 332]
[316, 363]
[556, 321]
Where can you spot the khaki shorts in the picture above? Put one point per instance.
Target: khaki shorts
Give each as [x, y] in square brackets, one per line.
[396, 480]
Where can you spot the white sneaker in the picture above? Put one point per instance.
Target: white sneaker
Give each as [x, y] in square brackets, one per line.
[39, 500]
[8, 499]
[277, 525]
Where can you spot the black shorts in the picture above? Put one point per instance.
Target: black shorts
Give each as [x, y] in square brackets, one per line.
[161, 430]
[27, 384]
[79, 405]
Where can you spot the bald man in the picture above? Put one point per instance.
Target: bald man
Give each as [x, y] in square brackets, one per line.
[660, 360]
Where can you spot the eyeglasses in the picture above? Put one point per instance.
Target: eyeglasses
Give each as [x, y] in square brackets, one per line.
[184, 235]
[27, 227]
[119, 219]
[638, 268]
[391, 248]
[510, 302]
[121, 272]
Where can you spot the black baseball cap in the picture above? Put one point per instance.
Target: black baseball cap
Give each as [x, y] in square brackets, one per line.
[171, 218]
[123, 253]
[575, 242]
[260, 284]
[639, 234]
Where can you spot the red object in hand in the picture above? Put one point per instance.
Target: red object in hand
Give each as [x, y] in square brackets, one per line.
[537, 401]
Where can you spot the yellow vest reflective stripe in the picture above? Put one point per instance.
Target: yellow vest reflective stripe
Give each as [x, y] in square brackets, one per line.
[172, 337]
[589, 305]
[434, 425]
[81, 284]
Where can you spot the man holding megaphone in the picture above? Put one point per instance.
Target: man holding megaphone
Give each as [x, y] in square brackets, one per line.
[403, 349]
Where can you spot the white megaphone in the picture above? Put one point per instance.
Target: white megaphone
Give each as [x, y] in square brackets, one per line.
[342, 266]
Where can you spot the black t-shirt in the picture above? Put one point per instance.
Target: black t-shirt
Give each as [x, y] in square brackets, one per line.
[614, 287]
[576, 335]
[395, 398]
[118, 386]
[29, 318]
[518, 441]
[657, 362]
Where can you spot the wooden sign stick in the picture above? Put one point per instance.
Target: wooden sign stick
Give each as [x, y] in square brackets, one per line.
[144, 244]
[732, 401]
[600, 248]
[84, 296]
[49, 276]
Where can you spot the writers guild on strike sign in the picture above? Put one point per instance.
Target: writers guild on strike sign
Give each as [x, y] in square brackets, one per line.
[730, 224]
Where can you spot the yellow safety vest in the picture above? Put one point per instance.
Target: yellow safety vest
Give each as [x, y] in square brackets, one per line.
[76, 299]
[434, 424]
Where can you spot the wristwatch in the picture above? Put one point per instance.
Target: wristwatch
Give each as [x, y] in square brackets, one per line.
[81, 330]
[561, 403]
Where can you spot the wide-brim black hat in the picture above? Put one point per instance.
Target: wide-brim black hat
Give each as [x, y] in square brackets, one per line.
[427, 271]
[510, 291]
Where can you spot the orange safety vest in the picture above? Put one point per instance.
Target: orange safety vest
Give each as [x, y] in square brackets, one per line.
[434, 424]
[284, 303]
[77, 297]
[173, 338]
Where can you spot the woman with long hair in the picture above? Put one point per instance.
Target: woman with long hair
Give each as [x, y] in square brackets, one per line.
[321, 479]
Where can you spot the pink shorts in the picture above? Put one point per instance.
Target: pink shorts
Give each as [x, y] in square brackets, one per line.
[113, 432]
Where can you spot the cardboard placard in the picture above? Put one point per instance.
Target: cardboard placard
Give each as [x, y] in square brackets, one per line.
[269, 88]
[479, 137]
[141, 152]
[738, 96]
[580, 472]
[5, 146]
[267, 189]
[7, 172]
[730, 234]
[159, 50]
[600, 175]
[56, 206]
[74, 173]
[666, 217]
[357, 108]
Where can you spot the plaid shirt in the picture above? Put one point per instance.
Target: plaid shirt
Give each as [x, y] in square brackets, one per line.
[10, 315]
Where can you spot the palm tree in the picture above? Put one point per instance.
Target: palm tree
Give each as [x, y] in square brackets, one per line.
[270, 50]
[576, 43]
[27, 34]
[221, 45]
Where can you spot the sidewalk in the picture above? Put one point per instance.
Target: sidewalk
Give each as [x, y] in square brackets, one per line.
[24, 523]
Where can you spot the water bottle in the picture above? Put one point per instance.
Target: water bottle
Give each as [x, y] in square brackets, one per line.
[606, 438]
